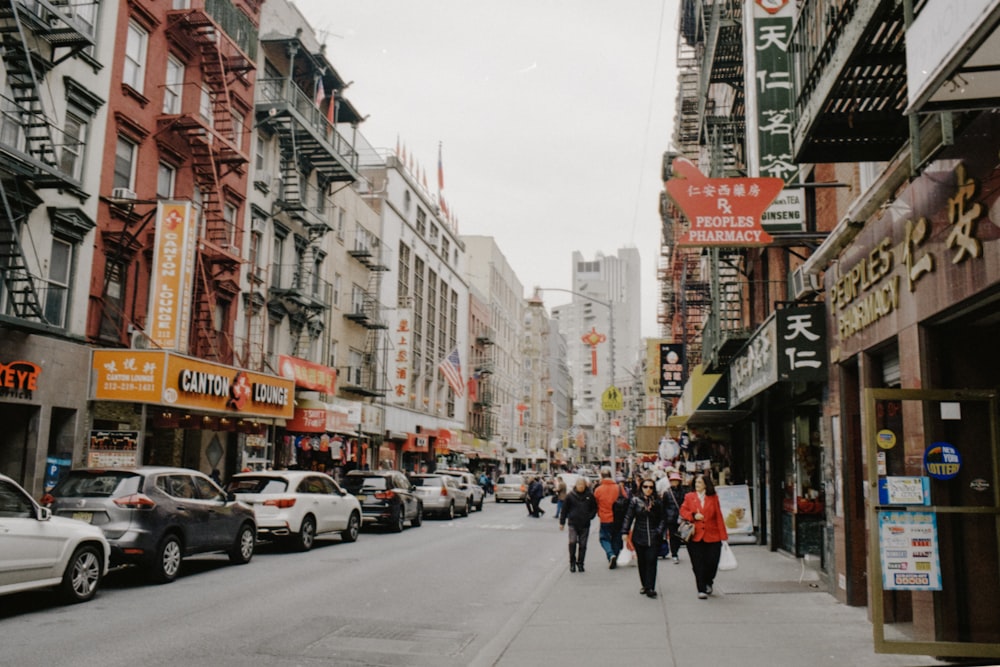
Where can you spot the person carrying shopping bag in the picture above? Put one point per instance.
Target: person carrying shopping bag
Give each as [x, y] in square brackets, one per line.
[701, 507]
[646, 520]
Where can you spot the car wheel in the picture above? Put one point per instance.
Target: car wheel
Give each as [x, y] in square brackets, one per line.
[242, 550]
[450, 514]
[83, 574]
[167, 562]
[353, 528]
[418, 518]
[468, 508]
[398, 519]
[479, 506]
[499, 501]
[307, 534]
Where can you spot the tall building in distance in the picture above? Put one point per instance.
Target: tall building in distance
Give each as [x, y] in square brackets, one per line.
[605, 303]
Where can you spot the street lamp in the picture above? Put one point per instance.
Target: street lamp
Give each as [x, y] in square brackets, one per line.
[611, 340]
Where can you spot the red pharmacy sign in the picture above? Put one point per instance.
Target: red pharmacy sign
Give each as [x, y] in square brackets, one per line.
[722, 211]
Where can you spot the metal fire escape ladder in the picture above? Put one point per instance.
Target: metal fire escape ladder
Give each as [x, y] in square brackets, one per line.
[23, 300]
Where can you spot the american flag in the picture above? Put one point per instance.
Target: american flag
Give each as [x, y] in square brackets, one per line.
[451, 368]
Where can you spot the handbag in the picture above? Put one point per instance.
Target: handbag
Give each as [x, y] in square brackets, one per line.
[727, 559]
[685, 529]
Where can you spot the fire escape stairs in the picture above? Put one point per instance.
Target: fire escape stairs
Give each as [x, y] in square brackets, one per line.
[23, 300]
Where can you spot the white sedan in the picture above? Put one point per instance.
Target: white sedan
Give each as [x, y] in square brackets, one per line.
[298, 505]
[38, 550]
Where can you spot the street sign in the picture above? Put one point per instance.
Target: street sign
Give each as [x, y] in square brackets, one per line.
[611, 399]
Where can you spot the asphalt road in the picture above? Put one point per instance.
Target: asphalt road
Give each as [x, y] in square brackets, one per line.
[446, 593]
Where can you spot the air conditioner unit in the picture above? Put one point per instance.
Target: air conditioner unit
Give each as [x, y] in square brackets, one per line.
[263, 178]
[803, 283]
[122, 193]
[139, 340]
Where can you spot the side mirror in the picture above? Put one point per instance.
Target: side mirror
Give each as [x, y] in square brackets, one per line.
[230, 496]
[44, 514]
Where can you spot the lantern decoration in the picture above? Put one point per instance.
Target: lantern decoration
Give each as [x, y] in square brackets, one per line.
[593, 339]
[521, 407]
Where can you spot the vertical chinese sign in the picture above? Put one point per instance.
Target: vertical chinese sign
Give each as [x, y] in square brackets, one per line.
[400, 353]
[773, 92]
[802, 343]
[169, 315]
[671, 366]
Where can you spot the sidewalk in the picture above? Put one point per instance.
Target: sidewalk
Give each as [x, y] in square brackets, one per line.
[770, 612]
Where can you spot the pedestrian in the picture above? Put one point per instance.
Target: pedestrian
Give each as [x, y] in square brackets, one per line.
[578, 510]
[701, 507]
[606, 493]
[673, 496]
[216, 476]
[536, 491]
[560, 495]
[645, 519]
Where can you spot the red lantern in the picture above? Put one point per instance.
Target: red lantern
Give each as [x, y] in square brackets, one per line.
[593, 339]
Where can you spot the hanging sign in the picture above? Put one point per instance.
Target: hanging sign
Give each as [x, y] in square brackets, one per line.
[723, 212]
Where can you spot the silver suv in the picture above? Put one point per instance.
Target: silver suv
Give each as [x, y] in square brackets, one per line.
[154, 516]
[468, 483]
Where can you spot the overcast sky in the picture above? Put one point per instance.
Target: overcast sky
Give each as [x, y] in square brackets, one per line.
[553, 116]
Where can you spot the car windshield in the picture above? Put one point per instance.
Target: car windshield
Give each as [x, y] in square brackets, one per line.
[258, 485]
[427, 481]
[98, 484]
[355, 483]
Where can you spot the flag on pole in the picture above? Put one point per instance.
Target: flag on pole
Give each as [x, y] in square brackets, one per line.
[451, 368]
[331, 111]
[440, 171]
[320, 93]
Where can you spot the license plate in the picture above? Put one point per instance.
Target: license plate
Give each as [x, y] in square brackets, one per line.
[83, 516]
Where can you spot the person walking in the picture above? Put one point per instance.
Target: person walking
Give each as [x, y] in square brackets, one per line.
[536, 491]
[606, 493]
[701, 507]
[578, 510]
[646, 521]
[560, 495]
[673, 496]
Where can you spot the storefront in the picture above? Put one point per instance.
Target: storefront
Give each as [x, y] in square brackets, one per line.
[912, 303]
[43, 407]
[778, 379]
[185, 411]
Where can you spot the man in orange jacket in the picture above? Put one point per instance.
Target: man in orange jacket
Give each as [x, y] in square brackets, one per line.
[606, 493]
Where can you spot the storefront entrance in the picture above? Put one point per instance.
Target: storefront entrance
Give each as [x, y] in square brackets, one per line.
[933, 496]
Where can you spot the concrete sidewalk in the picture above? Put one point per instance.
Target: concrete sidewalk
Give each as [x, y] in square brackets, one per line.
[770, 612]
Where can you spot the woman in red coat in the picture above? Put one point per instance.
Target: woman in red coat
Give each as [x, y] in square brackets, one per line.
[701, 507]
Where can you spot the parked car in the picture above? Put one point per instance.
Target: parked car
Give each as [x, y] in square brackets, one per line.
[297, 505]
[511, 487]
[387, 497]
[155, 516]
[38, 550]
[468, 482]
[442, 495]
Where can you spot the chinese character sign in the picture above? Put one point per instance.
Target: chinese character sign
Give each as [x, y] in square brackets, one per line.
[400, 353]
[671, 369]
[802, 343]
[773, 87]
[171, 276]
[724, 212]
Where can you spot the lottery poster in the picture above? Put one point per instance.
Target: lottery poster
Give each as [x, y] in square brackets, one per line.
[909, 551]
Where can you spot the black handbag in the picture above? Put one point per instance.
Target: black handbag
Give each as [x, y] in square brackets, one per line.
[685, 529]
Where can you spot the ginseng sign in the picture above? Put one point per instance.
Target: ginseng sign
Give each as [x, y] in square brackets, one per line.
[722, 211]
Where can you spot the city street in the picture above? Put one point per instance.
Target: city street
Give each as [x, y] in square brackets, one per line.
[490, 589]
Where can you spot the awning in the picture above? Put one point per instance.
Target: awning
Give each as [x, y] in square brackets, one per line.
[706, 398]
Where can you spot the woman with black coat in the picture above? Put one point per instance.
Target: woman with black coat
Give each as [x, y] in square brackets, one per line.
[647, 521]
[578, 510]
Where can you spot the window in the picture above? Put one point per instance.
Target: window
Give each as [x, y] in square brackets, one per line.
[205, 106]
[238, 123]
[356, 360]
[256, 256]
[317, 281]
[341, 223]
[260, 154]
[445, 248]
[173, 90]
[124, 164]
[357, 299]
[135, 57]
[229, 214]
[276, 258]
[57, 296]
[114, 290]
[421, 222]
[337, 285]
[320, 199]
[403, 284]
[71, 157]
[333, 354]
[165, 178]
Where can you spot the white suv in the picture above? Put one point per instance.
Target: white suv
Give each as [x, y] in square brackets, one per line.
[38, 550]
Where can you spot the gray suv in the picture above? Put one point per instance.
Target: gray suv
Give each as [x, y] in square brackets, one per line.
[155, 516]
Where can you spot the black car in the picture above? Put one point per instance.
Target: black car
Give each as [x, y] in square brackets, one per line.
[387, 497]
[155, 516]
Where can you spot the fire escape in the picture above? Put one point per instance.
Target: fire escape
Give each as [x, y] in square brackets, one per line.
[215, 154]
[310, 143]
[35, 36]
[368, 378]
[483, 367]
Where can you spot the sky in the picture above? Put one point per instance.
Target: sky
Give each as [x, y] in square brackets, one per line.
[552, 117]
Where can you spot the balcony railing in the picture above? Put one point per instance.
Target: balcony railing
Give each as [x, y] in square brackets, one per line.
[301, 284]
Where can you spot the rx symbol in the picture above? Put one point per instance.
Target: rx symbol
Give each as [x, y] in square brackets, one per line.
[723, 205]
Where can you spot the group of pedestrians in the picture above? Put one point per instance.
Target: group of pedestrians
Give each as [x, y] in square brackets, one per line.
[644, 520]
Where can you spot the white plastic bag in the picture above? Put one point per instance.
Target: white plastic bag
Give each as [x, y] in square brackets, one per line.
[727, 559]
[626, 557]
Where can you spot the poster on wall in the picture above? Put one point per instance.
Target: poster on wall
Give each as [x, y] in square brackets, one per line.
[113, 449]
[909, 551]
[736, 509]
